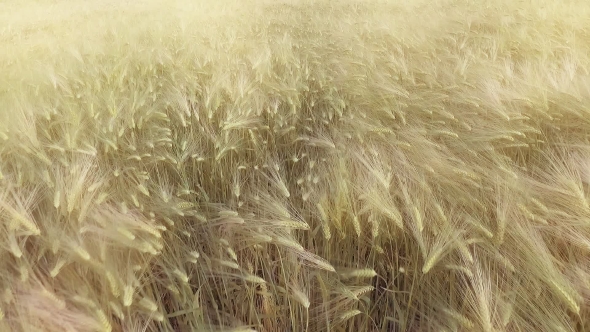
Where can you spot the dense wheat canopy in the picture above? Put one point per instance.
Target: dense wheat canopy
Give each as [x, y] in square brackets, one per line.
[174, 165]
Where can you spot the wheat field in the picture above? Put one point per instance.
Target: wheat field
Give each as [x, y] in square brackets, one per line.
[294, 165]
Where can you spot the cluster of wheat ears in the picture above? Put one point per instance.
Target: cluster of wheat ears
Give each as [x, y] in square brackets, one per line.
[295, 165]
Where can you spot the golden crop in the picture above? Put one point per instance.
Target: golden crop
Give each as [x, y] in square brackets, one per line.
[294, 165]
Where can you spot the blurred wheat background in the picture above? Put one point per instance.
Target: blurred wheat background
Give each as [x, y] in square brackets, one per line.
[294, 165]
